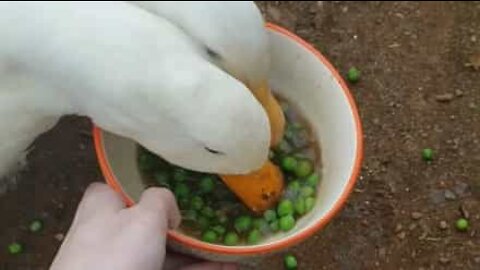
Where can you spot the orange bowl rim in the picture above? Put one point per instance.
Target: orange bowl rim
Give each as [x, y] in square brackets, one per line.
[282, 243]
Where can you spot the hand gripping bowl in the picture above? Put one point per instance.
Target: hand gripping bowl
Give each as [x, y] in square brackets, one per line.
[302, 75]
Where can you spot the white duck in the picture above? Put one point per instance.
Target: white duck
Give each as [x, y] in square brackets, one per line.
[172, 76]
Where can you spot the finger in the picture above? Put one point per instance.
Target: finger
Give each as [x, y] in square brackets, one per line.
[98, 200]
[210, 266]
[160, 201]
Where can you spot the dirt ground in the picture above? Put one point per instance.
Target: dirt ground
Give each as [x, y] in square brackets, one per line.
[417, 90]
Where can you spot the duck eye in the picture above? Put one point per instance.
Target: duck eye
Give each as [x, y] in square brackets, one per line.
[216, 152]
[213, 54]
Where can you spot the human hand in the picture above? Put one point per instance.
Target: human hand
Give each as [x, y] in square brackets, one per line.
[105, 235]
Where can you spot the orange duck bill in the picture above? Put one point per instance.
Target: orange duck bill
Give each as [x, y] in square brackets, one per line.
[261, 189]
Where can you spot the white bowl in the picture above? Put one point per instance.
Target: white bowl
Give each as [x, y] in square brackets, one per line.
[305, 78]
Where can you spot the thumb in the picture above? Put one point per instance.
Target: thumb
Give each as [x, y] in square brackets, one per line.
[160, 201]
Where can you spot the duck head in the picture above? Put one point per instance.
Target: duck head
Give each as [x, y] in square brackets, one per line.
[232, 36]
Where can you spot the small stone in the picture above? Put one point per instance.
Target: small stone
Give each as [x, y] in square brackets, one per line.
[437, 196]
[274, 13]
[412, 227]
[444, 97]
[473, 38]
[59, 237]
[464, 212]
[398, 228]
[477, 260]
[416, 215]
[443, 225]
[452, 117]
[472, 105]
[402, 235]
[444, 260]
[474, 61]
[382, 252]
[461, 189]
[458, 93]
[449, 195]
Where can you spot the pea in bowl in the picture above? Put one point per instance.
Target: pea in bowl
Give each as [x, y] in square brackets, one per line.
[304, 78]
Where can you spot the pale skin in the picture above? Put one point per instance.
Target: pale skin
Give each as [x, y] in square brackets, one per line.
[107, 235]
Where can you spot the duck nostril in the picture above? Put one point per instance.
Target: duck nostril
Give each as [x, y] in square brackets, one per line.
[216, 152]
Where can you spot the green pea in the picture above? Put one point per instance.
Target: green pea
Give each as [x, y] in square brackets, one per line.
[147, 161]
[294, 186]
[299, 206]
[304, 168]
[161, 178]
[230, 239]
[207, 184]
[269, 215]
[15, 248]
[180, 175]
[353, 75]
[190, 215]
[461, 224]
[313, 180]
[183, 203]
[427, 154]
[35, 226]
[274, 227]
[243, 223]
[208, 212]
[297, 125]
[286, 223]
[309, 204]
[222, 218]
[259, 223]
[210, 236]
[219, 229]
[285, 207]
[307, 191]
[203, 222]
[196, 203]
[290, 262]
[289, 163]
[271, 155]
[284, 147]
[253, 237]
[289, 132]
[181, 190]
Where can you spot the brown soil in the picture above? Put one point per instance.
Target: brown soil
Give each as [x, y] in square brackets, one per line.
[420, 87]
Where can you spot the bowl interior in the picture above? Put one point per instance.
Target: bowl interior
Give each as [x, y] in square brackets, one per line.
[308, 81]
